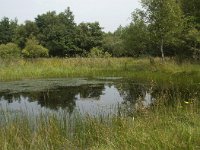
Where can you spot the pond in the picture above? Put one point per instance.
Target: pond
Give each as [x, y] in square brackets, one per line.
[109, 96]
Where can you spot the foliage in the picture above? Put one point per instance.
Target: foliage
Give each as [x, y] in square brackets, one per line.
[191, 10]
[136, 36]
[25, 31]
[89, 35]
[34, 50]
[7, 30]
[9, 50]
[162, 27]
[113, 43]
[57, 32]
[98, 53]
[165, 21]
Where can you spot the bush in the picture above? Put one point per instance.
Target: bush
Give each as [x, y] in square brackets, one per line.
[196, 53]
[9, 50]
[34, 50]
[98, 53]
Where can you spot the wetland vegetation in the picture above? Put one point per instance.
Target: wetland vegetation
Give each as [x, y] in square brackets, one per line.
[73, 86]
[142, 68]
[139, 106]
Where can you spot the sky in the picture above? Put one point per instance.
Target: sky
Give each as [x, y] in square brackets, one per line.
[109, 13]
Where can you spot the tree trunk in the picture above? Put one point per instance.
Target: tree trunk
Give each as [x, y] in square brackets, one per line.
[161, 49]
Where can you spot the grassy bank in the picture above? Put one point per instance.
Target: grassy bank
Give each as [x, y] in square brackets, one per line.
[155, 128]
[168, 71]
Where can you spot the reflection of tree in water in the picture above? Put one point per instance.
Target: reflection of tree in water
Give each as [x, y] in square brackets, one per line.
[131, 92]
[10, 97]
[170, 94]
[59, 98]
[93, 91]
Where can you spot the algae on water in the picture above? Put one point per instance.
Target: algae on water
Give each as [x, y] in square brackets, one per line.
[43, 84]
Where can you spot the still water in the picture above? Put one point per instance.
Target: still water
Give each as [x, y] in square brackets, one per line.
[87, 97]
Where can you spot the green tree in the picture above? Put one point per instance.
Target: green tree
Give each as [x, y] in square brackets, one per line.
[24, 31]
[191, 43]
[136, 36]
[191, 9]
[89, 35]
[165, 20]
[113, 44]
[191, 34]
[7, 30]
[57, 32]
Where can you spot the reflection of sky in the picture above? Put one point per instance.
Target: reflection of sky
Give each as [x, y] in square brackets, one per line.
[106, 104]
[148, 99]
[23, 105]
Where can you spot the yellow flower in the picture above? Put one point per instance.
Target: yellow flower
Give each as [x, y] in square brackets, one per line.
[186, 102]
[133, 118]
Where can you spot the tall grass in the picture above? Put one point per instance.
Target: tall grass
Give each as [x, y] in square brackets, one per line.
[157, 127]
[101, 67]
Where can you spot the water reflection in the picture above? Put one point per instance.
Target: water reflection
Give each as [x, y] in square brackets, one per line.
[95, 99]
[61, 98]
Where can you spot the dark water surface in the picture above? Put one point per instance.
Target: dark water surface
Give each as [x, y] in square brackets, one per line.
[93, 97]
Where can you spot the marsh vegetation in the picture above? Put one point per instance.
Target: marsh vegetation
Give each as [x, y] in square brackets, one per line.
[118, 103]
[65, 85]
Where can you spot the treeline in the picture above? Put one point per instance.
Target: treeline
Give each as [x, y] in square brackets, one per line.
[161, 28]
[50, 34]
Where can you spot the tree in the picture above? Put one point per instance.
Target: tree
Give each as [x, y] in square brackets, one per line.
[191, 43]
[89, 35]
[191, 9]
[25, 31]
[165, 20]
[57, 32]
[7, 30]
[191, 35]
[113, 44]
[136, 36]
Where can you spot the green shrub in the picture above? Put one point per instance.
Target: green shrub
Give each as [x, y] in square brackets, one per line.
[98, 53]
[34, 50]
[9, 50]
